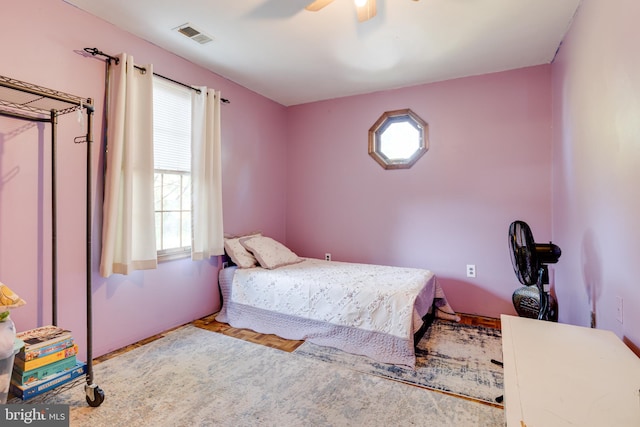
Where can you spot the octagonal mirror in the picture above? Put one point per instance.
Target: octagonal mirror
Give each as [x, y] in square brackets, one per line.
[398, 139]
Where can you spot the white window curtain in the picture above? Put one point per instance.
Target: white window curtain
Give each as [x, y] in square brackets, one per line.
[128, 230]
[206, 175]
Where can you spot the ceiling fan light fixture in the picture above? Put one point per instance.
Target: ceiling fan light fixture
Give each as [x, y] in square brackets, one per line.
[366, 11]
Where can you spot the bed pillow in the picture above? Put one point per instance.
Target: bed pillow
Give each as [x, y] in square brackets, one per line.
[269, 253]
[238, 253]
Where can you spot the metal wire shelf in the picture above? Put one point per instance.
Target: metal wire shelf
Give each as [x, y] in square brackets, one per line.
[28, 101]
[35, 100]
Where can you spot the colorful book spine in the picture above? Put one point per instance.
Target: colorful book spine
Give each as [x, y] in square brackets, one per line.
[44, 351]
[27, 377]
[42, 336]
[38, 362]
[36, 388]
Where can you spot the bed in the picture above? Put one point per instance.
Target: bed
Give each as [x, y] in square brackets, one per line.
[372, 310]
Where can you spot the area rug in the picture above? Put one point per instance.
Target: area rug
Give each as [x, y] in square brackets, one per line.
[193, 377]
[451, 357]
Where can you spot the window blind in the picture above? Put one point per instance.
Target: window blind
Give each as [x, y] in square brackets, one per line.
[171, 126]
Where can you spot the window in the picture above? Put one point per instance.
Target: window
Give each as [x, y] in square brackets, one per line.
[398, 139]
[172, 164]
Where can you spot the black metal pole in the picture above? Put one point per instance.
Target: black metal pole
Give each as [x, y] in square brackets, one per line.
[54, 220]
[88, 248]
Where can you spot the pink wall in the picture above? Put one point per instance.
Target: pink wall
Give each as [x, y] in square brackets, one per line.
[46, 41]
[302, 175]
[488, 164]
[596, 114]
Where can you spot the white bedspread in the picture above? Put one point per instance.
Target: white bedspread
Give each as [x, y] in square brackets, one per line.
[361, 308]
[370, 297]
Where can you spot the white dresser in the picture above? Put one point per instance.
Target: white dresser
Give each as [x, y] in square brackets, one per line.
[563, 375]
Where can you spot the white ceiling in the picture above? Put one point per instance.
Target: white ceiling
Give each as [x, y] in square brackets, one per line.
[293, 56]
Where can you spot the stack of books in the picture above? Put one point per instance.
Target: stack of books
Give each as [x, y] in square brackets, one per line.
[47, 360]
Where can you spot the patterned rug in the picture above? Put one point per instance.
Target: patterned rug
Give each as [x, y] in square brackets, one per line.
[451, 357]
[193, 377]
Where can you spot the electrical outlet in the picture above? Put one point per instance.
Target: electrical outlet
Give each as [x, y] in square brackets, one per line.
[619, 309]
[327, 256]
[471, 270]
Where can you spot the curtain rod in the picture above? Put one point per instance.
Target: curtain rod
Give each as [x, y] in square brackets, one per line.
[95, 52]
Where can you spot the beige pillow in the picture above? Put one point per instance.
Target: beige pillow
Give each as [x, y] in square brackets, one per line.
[269, 252]
[238, 254]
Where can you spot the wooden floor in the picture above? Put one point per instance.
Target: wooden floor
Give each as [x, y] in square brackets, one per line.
[487, 322]
[209, 323]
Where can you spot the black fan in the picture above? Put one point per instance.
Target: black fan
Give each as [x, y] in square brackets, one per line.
[530, 261]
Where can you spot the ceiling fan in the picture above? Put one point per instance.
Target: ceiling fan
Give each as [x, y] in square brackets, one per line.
[366, 9]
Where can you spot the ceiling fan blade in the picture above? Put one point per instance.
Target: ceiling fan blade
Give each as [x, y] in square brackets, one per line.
[367, 11]
[317, 5]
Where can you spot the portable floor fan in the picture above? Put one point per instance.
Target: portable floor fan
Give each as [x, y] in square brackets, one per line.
[530, 261]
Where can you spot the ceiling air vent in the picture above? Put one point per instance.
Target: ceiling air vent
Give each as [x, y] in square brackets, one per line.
[188, 31]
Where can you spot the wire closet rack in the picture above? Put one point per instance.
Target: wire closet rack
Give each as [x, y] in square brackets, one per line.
[27, 101]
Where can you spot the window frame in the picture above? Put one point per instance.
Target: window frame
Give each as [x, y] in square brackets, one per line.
[174, 252]
[376, 133]
[181, 251]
